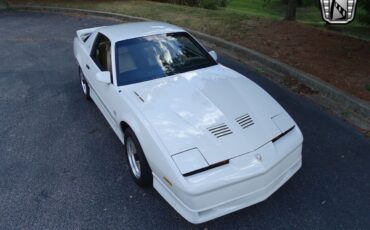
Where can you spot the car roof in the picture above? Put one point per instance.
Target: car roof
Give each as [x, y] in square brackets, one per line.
[125, 31]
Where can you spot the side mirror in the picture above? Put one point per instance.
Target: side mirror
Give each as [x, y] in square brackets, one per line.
[103, 77]
[213, 54]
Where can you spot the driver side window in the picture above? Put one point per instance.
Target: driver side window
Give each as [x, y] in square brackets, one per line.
[101, 53]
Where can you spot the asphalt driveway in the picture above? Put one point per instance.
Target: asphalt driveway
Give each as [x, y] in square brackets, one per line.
[62, 167]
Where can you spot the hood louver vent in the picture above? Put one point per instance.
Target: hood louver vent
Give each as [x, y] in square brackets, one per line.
[245, 121]
[220, 130]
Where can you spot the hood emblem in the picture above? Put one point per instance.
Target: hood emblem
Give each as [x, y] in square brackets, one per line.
[259, 157]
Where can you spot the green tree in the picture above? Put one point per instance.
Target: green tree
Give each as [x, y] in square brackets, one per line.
[291, 10]
[365, 4]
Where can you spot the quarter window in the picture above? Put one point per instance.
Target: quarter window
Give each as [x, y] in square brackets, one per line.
[101, 53]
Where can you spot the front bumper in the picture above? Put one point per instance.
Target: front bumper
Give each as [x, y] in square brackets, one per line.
[242, 183]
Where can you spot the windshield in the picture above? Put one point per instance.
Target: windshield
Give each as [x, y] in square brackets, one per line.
[147, 58]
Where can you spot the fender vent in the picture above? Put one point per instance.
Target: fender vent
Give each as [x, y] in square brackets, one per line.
[220, 130]
[245, 121]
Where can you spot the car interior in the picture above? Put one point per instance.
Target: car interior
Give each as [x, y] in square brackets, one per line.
[102, 54]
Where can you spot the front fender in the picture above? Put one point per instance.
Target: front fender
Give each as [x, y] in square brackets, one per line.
[156, 153]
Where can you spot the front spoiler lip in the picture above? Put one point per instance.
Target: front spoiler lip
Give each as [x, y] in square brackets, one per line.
[222, 208]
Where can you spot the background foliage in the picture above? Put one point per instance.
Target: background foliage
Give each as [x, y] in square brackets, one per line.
[279, 6]
[208, 4]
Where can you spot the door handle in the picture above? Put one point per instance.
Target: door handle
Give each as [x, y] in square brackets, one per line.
[87, 66]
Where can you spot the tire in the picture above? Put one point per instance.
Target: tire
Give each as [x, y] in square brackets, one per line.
[85, 87]
[139, 167]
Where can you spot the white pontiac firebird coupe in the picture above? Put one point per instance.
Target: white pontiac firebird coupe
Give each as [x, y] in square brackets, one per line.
[207, 138]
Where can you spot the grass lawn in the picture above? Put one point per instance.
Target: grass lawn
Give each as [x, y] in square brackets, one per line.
[308, 14]
[339, 60]
[224, 22]
[274, 9]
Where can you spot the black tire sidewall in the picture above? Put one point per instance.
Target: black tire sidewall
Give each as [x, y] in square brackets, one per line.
[146, 177]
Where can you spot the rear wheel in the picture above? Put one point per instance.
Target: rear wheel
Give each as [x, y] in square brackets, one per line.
[85, 87]
[139, 167]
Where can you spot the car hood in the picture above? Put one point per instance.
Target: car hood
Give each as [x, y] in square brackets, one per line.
[215, 109]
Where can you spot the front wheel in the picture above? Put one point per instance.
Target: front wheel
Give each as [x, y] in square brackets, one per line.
[139, 167]
[85, 87]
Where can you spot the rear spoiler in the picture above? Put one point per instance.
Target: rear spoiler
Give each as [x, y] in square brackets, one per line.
[84, 34]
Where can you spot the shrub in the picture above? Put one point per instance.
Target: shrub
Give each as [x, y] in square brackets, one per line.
[208, 4]
[223, 3]
[304, 2]
[365, 4]
[364, 18]
[181, 2]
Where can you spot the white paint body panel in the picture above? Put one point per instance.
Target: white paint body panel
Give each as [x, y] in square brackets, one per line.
[172, 115]
[189, 161]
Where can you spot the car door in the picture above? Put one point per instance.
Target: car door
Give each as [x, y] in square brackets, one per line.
[102, 93]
